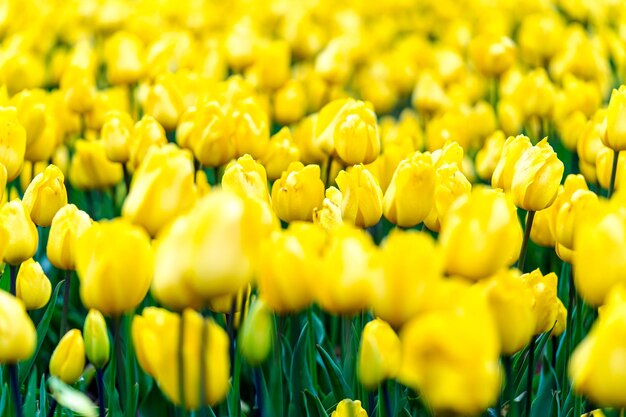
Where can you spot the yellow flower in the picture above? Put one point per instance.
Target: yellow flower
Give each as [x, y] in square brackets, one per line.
[91, 169]
[450, 184]
[537, 177]
[492, 54]
[347, 128]
[33, 286]
[512, 305]
[570, 213]
[538, 94]
[450, 355]
[541, 232]
[41, 126]
[349, 269]
[116, 135]
[163, 187]
[411, 192]
[165, 101]
[290, 267]
[488, 156]
[297, 192]
[97, 344]
[124, 57]
[379, 354]
[115, 265]
[512, 151]
[208, 131]
[251, 128]
[12, 142]
[412, 266]
[304, 138]
[429, 95]
[271, 68]
[17, 332]
[68, 359]
[23, 237]
[604, 165]
[546, 303]
[480, 234]
[281, 152]
[349, 408]
[615, 137]
[67, 226]
[329, 215]
[45, 195]
[599, 241]
[155, 337]
[362, 198]
[290, 102]
[146, 133]
[595, 368]
[255, 336]
[247, 178]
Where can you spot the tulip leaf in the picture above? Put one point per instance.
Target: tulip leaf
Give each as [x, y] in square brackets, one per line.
[30, 402]
[313, 405]
[3, 398]
[341, 389]
[71, 399]
[300, 375]
[43, 396]
[42, 329]
[520, 378]
[548, 385]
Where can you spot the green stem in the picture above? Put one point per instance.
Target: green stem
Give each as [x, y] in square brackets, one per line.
[15, 388]
[613, 174]
[530, 374]
[385, 399]
[312, 350]
[100, 384]
[66, 301]
[527, 228]
[181, 362]
[258, 386]
[329, 168]
[53, 408]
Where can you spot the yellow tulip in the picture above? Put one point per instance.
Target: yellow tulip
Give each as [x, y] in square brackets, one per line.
[97, 344]
[362, 198]
[491, 54]
[571, 213]
[91, 169]
[450, 184]
[546, 303]
[297, 192]
[512, 305]
[68, 359]
[349, 269]
[45, 195]
[247, 178]
[304, 138]
[255, 336]
[615, 137]
[33, 286]
[290, 102]
[34, 114]
[155, 337]
[488, 156]
[163, 187]
[604, 165]
[17, 331]
[116, 135]
[12, 142]
[412, 267]
[411, 192]
[538, 94]
[251, 128]
[146, 133]
[271, 68]
[208, 130]
[379, 354]
[349, 408]
[329, 215]
[281, 152]
[541, 232]
[67, 226]
[480, 234]
[23, 237]
[429, 95]
[537, 177]
[115, 265]
[165, 101]
[512, 151]
[124, 57]
[450, 355]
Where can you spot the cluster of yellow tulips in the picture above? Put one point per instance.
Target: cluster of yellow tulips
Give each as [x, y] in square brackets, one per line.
[312, 208]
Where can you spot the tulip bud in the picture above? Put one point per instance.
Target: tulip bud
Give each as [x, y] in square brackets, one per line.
[329, 216]
[17, 331]
[68, 359]
[537, 176]
[480, 234]
[412, 267]
[165, 101]
[541, 233]
[208, 131]
[379, 354]
[124, 56]
[290, 102]
[411, 192]
[12, 142]
[67, 226]
[116, 135]
[91, 169]
[146, 133]
[539, 94]
[45, 195]
[491, 54]
[251, 128]
[281, 152]
[97, 345]
[615, 137]
[511, 302]
[450, 185]
[304, 138]
[362, 198]
[162, 188]
[546, 300]
[271, 68]
[488, 156]
[349, 408]
[246, 178]
[23, 237]
[125, 250]
[33, 286]
[297, 192]
[512, 151]
[429, 95]
[255, 336]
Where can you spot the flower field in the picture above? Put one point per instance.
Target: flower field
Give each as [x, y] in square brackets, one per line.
[312, 208]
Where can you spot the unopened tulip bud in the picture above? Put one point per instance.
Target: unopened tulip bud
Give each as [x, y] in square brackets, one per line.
[255, 336]
[97, 344]
[33, 286]
[362, 198]
[298, 192]
[379, 354]
[615, 137]
[17, 331]
[68, 359]
[12, 142]
[45, 195]
[23, 237]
